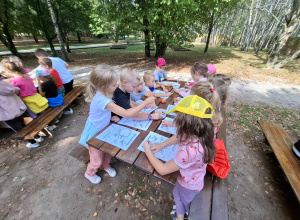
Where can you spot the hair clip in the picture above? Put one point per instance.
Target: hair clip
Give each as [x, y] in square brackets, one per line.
[212, 90]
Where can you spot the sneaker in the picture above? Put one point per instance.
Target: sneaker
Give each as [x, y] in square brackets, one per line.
[30, 145]
[39, 140]
[296, 149]
[93, 179]
[111, 172]
[41, 134]
[51, 127]
[68, 112]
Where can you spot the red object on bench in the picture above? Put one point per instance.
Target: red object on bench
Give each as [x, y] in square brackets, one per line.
[221, 166]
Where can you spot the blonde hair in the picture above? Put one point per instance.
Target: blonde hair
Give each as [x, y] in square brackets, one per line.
[200, 68]
[129, 75]
[206, 90]
[147, 76]
[100, 78]
[221, 87]
[16, 60]
[13, 66]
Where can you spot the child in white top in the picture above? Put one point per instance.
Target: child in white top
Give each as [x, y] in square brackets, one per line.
[103, 83]
[196, 149]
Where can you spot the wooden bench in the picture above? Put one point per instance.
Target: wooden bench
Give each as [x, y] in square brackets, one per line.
[282, 146]
[211, 202]
[38, 124]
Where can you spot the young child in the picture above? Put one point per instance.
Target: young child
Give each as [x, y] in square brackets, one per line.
[149, 80]
[195, 133]
[129, 81]
[47, 63]
[61, 67]
[159, 72]
[18, 61]
[199, 72]
[27, 91]
[103, 83]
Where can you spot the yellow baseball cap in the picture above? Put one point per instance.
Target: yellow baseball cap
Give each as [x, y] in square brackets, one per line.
[193, 105]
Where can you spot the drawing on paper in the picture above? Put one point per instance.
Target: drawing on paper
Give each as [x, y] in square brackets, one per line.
[139, 124]
[146, 110]
[170, 130]
[169, 108]
[166, 154]
[118, 136]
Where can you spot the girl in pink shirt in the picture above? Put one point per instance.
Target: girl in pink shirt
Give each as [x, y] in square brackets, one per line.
[28, 92]
[195, 134]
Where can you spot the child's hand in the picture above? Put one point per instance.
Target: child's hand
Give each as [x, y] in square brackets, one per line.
[150, 100]
[115, 119]
[153, 105]
[165, 90]
[167, 123]
[169, 94]
[148, 106]
[156, 148]
[147, 146]
[155, 116]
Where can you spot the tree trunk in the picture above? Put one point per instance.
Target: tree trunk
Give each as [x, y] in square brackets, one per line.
[210, 27]
[78, 36]
[67, 43]
[59, 36]
[161, 47]
[283, 62]
[36, 40]
[147, 37]
[291, 23]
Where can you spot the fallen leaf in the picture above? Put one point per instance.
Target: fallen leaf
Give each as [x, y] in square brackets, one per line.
[95, 214]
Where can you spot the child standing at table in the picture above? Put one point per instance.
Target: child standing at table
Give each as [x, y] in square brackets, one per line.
[199, 72]
[195, 133]
[159, 72]
[103, 83]
[129, 81]
[149, 79]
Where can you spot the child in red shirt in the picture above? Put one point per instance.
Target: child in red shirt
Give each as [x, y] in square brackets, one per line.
[47, 63]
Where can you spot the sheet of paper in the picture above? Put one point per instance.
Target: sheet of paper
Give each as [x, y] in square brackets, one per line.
[169, 108]
[166, 154]
[158, 91]
[170, 130]
[139, 124]
[167, 82]
[146, 110]
[118, 136]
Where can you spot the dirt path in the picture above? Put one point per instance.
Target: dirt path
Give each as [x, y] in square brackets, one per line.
[47, 183]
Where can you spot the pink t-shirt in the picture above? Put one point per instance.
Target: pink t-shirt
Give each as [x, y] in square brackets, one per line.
[26, 86]
[190, 158]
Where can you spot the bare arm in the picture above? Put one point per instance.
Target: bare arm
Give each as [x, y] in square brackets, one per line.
[158, 147]
[67, 65]
[161, 168]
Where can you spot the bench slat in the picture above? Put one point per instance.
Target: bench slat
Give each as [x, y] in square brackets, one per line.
[200, 208]
[219, 201]
[81, 153]
[282, 144]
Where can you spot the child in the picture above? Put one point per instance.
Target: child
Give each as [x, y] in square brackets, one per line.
[103, 83]
[27, 91]
[61, 67]
[199, 72]
[149, 80]
[17, 61]
[47, 63]
[48, 89]
[129, 82]
[159, 71]
[196, 149]
[221, 87]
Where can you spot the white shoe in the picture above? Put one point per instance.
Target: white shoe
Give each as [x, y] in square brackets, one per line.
[51, 127]
[111, 172]
[56, 122]
[39, 140]
[68, 112]
[30, 145]
[93, 179]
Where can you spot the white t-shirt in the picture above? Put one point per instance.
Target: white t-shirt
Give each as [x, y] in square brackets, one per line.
[59, 65]
[99, 115]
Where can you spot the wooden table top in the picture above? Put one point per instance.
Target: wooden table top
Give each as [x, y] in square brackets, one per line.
[134, 156]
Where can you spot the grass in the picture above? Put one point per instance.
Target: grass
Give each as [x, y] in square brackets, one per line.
[244, 119]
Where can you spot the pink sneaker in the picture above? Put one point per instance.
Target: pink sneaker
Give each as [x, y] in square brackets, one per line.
[93, 179]
[111, 172]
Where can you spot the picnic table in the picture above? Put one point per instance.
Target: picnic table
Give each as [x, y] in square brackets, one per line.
[132, 155]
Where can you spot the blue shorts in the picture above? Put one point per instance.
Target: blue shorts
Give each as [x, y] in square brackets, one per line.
[89, 131]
